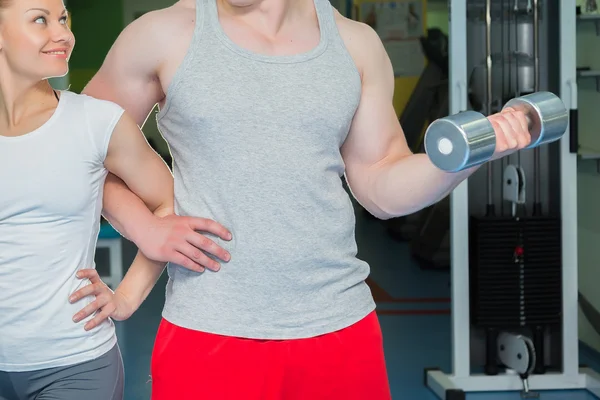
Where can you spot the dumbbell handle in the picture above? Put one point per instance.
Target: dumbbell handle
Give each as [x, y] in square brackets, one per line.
[547, 116]
[468, 139]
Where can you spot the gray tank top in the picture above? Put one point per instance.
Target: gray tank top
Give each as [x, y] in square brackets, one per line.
[256, 143]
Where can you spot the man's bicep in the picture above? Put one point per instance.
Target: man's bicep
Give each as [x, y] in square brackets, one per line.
[375, 135]
[128, 74]
[115, 85]
[131, 158]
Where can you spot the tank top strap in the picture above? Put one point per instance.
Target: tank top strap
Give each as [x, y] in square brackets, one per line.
[326, 16]
[201, 17]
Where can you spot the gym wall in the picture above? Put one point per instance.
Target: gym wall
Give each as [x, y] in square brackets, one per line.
[437, 15]
[108, 17]
[96, 25]
[132, 9]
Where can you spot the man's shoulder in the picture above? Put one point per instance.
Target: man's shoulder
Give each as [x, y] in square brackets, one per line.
[361, 40]
[152, 39]
[356, 31]
[164, 24]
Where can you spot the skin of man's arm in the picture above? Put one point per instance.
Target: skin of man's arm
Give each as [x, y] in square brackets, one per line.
[131, 158]
[130, 79]
[385, 177]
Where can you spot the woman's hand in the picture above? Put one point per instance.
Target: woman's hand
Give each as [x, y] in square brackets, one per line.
[108, 304]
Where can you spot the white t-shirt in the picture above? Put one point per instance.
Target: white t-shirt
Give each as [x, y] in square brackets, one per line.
[51, 185]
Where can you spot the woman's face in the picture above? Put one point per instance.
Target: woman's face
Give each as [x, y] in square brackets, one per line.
[35, 39]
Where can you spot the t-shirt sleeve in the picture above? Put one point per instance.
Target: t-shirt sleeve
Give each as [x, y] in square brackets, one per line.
[102, 117]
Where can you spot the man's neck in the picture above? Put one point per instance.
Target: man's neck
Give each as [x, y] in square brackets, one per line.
[268, 16]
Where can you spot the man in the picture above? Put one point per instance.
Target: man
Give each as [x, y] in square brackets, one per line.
[265, 104]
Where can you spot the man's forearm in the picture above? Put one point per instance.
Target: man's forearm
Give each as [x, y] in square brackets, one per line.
[124, 210]
[131, 217]
[410, 184]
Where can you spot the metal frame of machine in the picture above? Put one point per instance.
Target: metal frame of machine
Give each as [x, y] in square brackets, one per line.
[461, 380]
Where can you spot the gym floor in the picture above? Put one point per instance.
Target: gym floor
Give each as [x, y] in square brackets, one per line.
[413, 307]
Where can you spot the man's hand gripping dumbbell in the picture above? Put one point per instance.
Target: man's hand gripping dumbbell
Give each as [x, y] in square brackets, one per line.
[468, 139]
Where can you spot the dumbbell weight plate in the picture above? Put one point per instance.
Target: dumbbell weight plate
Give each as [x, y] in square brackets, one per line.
[460, 141]
[547, 116]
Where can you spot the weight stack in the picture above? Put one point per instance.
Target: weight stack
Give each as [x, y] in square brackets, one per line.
[515, 278]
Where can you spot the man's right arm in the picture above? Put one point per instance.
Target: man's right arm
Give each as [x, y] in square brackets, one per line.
[129, 77]
[129, 73]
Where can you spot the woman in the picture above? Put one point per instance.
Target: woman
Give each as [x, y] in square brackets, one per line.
[56, 148]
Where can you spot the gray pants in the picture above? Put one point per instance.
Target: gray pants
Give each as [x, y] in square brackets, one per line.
[98, 379]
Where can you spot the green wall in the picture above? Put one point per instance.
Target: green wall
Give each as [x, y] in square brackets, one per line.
[437, 15]
[96, 25]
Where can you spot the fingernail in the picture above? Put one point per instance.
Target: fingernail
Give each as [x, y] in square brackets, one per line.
[75, 319]
[229, 236]
[72, 299]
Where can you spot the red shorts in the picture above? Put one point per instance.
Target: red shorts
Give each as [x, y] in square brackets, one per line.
[347, 364]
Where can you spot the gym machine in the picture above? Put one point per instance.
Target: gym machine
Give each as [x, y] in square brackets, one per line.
[514, 319]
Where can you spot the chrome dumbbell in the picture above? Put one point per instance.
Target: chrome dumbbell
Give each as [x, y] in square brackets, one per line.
[467, 139]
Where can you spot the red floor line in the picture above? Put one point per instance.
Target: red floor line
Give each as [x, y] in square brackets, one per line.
[413, 312]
